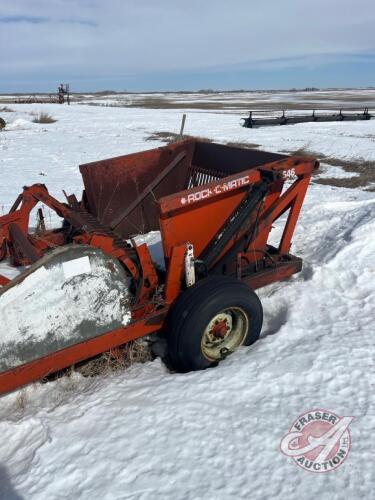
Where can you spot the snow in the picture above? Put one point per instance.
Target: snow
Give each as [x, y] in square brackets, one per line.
[153, 241]
[65, 299]
[148, 433]
[335, 172]
[7, 270]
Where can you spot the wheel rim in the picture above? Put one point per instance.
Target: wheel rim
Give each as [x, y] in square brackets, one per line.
[226, 331]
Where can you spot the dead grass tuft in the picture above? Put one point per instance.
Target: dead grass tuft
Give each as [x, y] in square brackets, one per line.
[44, 118]
[247, 145]
[170, 137]
[21, 401]
[136, 351]
[365, 170]
[116, 360]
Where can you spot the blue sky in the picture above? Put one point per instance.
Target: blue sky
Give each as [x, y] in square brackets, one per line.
[178, 45]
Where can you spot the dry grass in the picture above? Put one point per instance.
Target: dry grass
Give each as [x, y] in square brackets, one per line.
[21, 401]
[136, 351]
[44, 118]
[246, 145]
[364, 169]
[170, 137]
[214, 102]
[116, 360]
[167, 137]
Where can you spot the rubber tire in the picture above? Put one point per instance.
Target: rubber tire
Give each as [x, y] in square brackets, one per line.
[194, 309]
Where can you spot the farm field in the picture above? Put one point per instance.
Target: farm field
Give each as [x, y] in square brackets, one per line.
[147, 433]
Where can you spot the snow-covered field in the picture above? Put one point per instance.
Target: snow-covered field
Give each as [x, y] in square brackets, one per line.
[147, 433]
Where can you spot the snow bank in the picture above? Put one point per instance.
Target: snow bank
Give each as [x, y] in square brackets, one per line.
[151, 434]
[19, 123]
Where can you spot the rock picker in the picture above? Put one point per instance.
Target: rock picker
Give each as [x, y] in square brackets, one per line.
[87, 287]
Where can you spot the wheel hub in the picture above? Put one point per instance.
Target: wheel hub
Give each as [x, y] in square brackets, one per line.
[225, 332]
[222, 325]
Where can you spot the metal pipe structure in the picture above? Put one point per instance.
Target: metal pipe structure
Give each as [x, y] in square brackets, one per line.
[290, 119]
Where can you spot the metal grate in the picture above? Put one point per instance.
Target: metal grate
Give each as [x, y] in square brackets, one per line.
[198, 176]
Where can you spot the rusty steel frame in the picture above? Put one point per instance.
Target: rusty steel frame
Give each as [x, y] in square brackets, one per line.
[245, 254]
